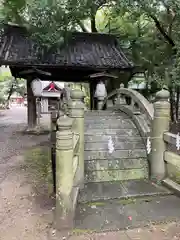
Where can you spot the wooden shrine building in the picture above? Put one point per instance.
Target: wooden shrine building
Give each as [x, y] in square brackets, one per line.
[83, 54]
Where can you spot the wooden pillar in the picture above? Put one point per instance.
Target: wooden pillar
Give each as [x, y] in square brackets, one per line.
[31, 107]
[91, 95]
[92, 85]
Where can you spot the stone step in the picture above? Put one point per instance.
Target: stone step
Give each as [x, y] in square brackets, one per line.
[115, 164]
[133, 153]
[111, 117]
[108, 120]
[118, 132]
[115, 138]
[116, 175]
[104, 113]
[110, 125]
[112, 218]
[107, 115]
[120, 190]
[99, 146]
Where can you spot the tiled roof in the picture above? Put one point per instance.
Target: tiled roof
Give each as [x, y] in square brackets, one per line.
[93, 50]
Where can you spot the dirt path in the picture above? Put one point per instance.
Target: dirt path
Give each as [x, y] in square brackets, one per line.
[24, 212]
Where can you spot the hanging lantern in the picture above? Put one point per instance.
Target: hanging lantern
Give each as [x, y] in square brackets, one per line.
[36, 86]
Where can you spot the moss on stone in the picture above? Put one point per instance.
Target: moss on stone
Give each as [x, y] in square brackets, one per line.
[81, 231]
[127, 201]
[173, 173]
[96, 204]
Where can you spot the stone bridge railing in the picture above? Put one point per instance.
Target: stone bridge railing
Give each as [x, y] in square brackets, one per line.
[135, 105]
[172, 161]
[69, 159]
[152, 120]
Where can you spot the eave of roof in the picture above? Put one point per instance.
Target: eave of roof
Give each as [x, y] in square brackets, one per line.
[86, 50]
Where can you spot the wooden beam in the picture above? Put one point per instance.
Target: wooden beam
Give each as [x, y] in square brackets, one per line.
[102, 74]
[35, 70]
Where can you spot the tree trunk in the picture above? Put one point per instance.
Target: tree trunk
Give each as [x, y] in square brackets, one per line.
[177, 102]
[92, 91]
[171, 104]
[9, 95]
[93, 25]
[31, 111]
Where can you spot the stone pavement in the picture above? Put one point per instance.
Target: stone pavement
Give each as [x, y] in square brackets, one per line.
[114, 215]
[170, 231]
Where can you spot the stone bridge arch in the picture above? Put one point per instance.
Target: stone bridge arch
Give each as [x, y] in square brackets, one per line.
[135, 105]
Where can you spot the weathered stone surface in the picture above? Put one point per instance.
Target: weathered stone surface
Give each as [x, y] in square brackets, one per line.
[129, 159]
[143, 188]
[118, 132]
[120, 190]
[111, 125]
[105, 113]
[160, 124]
[129, 163]
[94, 155]
[173, 172]
[89, 146]
[108, 119]
[105, 118]
[114, 214]
[115, 175]
[115, 138]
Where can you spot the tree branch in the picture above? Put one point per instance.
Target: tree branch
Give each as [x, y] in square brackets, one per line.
[162, 31]
[84, 29]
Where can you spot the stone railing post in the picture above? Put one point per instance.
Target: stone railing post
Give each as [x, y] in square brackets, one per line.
[160, 124]
[120, 99]
[64, 173]
[76, 111]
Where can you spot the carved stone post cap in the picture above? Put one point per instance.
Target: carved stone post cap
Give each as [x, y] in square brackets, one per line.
[122, 85]
[65, 123]
[163, 95]
[77, 94]
[61, 113]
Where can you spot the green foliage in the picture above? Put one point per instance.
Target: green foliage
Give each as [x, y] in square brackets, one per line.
[10, 85]
[147, 29]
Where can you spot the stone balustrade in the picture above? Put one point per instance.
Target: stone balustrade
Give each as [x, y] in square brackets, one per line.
[160, 124]
[70, 145]
[135, 105]
[136, 101]
[69, 160]
[172, 162]
[152, 120]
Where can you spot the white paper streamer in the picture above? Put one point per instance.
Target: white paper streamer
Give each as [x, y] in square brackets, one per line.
[148, 145]
[110, 145]
[178, 142]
